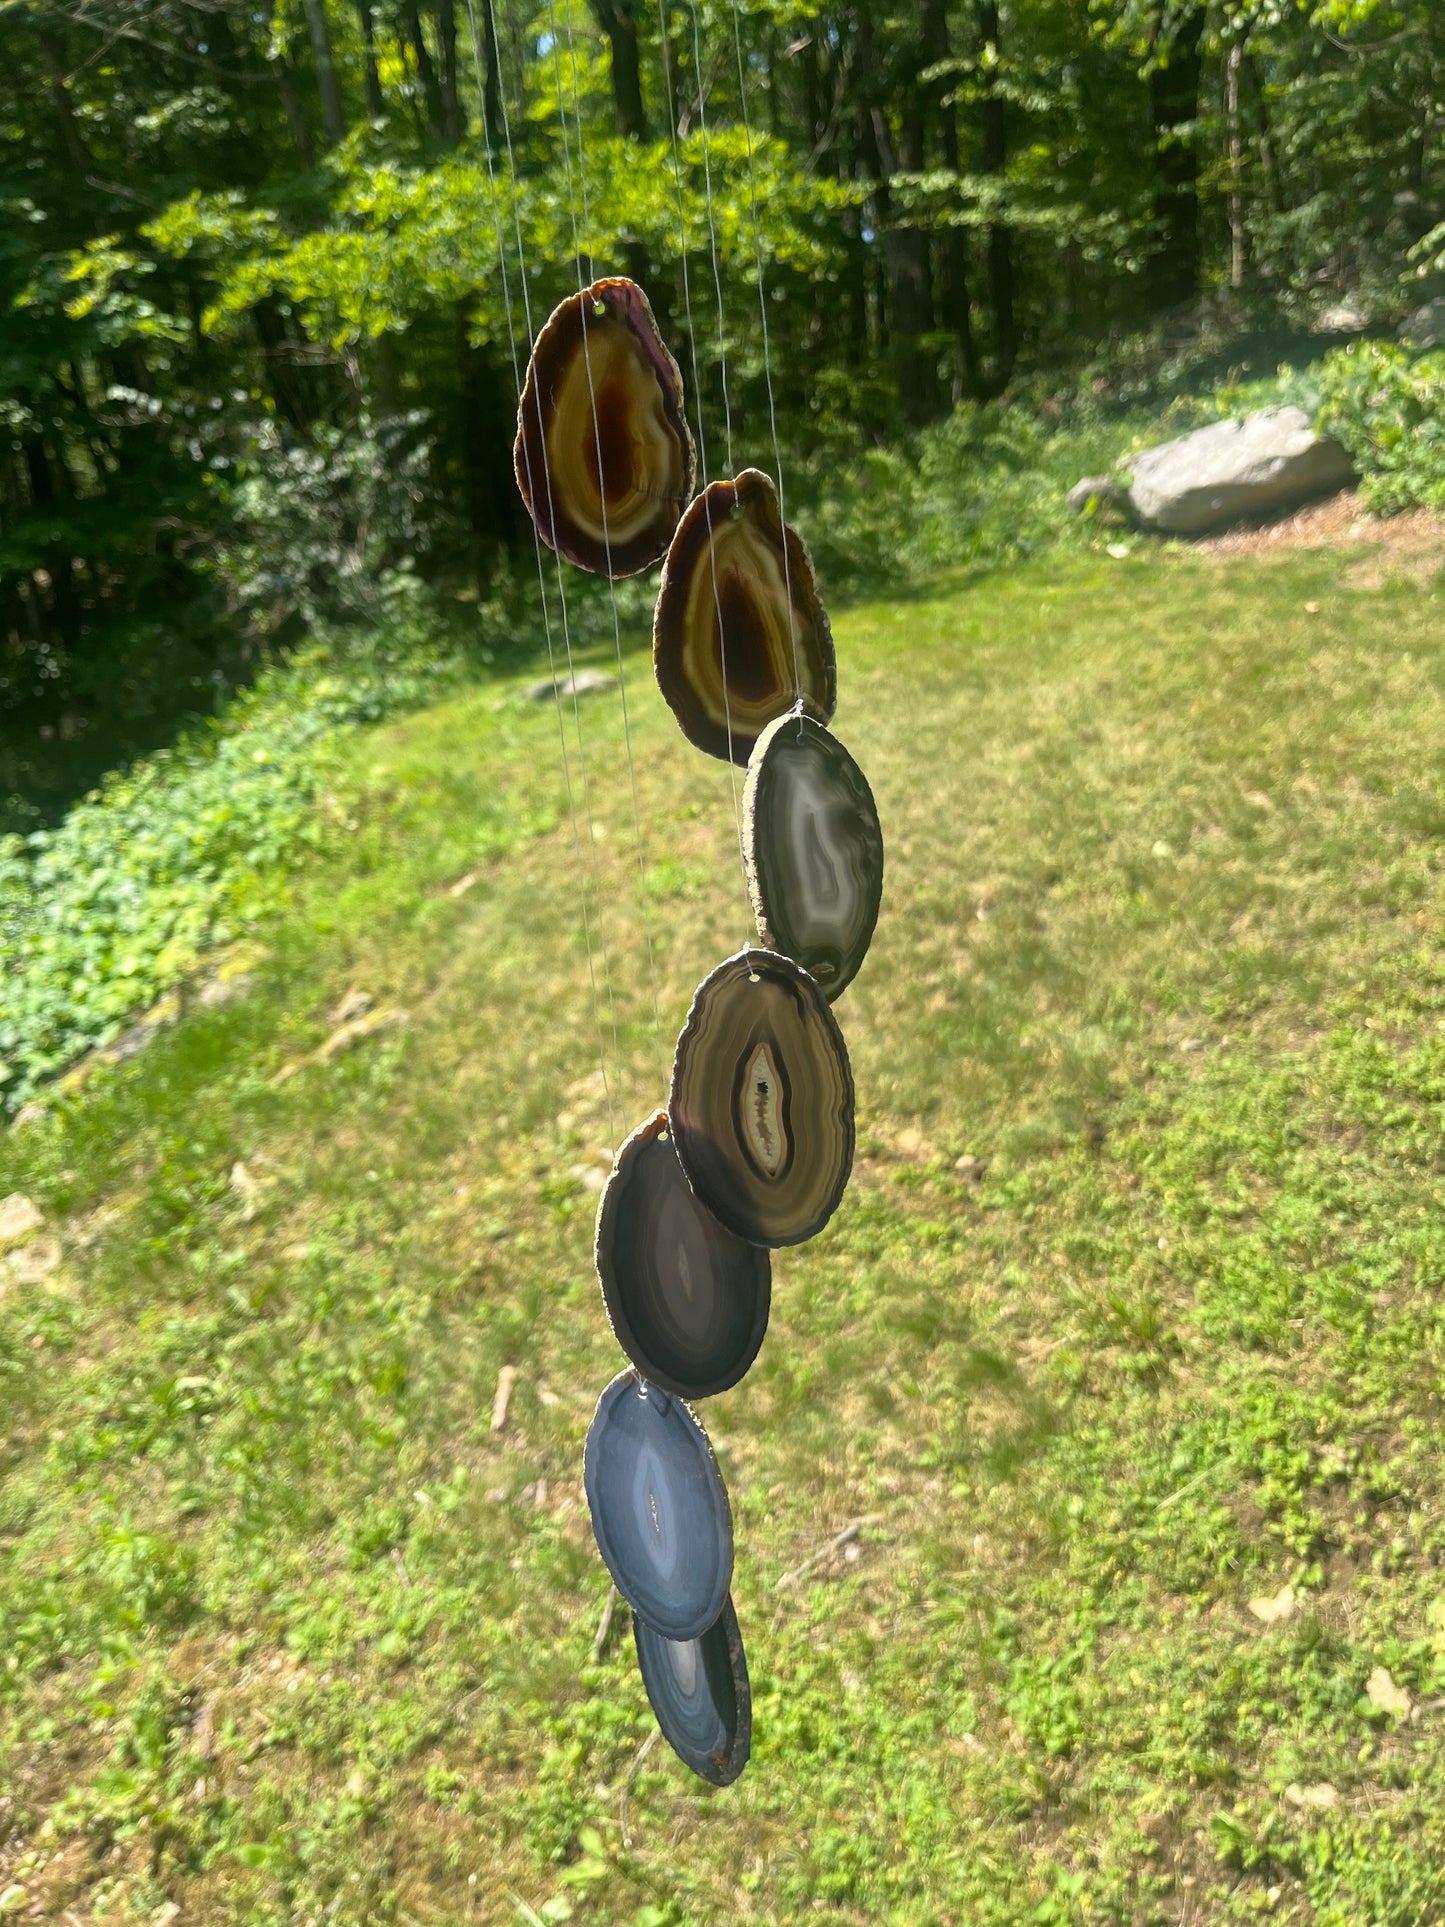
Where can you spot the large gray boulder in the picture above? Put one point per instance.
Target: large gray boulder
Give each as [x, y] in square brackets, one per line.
[1235, 470]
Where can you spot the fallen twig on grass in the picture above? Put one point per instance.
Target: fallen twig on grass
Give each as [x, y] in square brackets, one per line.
[604, 1625]
[642, 1753]
[835, 1545]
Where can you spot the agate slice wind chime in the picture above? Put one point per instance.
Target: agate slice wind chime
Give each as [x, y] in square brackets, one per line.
[755, 1145]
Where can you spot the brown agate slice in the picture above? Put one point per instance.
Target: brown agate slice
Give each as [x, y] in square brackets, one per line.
[761, 1106]
[604, 486]
[687, 1300]
[724, 602]
[813, 851]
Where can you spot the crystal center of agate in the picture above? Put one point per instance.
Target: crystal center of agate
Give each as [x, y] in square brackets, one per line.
[762, 1118]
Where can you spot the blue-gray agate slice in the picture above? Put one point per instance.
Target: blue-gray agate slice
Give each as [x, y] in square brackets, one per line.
[660, 1511]
[688, 1300]
[699, 1692]
[813, 850]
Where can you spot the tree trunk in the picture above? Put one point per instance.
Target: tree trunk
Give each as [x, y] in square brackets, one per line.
[431, 89]
[993, 126]
[291, 107]
[53, 48]
[1236, 165]
[453, 122]
[375, 105]
[618, 20]
[1174, 103]
[332, 118]
[491, 78]
[951, 246]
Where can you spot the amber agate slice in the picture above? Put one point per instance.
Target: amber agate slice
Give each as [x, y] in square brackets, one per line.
[761, 1105]
[813, 851]
[660, 1511]
[726, 657]
[700, 1694]
[607, 483]
[688, 1301]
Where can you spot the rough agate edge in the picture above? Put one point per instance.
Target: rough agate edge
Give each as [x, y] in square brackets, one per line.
[660, 1512]
[700, 1694]
[604, 343]
[687, 1300]
[725, 598]
[813, 851]
[761, 1103]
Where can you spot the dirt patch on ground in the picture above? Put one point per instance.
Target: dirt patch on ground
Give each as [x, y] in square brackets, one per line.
[1410, 545]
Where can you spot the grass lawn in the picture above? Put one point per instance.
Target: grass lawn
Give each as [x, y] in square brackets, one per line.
[288, 1633]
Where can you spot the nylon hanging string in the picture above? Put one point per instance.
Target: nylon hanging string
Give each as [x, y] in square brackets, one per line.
[767, 355]
[644, 903]
[537, 544]
[701, 431]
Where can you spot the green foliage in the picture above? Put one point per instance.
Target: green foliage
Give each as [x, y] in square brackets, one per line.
[188, 850]
[1388, 409]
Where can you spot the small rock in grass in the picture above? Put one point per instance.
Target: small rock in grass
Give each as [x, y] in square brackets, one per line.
[1101, 490]
[586, 682]
[970, 1168]
[506, 1379]
[1272, 1611]
[1321, 1797]
[20, 1218]
[1381, 1691]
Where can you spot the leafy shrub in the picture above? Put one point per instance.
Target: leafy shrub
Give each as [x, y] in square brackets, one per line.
[102, 915]
[1388, 409]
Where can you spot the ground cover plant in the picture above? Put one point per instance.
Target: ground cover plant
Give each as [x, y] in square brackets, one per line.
[1126, 1345]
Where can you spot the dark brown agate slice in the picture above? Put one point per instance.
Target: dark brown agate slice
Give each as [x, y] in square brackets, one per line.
[699, 1691]
[660, 1511]
[724, 604]
[687, 1299]
[761, 1105]
[605, 486]
[813, 851]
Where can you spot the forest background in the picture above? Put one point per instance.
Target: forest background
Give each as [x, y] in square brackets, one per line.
[254, 351]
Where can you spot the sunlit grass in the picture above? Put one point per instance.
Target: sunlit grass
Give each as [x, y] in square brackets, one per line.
[288, 1634]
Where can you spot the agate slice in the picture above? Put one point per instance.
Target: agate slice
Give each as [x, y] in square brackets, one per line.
[606, 485]
[726, 657]
[813, 851]
[761, 1106]
[687, 1299]
[699, 1692]
[659, 1508]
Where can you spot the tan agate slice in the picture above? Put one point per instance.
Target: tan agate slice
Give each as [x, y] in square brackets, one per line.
[813, 851]
[761, 1105]
[724, 602]
[606, 486]
[688, 1301]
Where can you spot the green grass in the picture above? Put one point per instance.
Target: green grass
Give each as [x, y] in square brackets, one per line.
[287, 1634]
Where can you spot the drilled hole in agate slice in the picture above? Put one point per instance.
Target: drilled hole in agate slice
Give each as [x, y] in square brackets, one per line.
[813, 851]
[659, 1508]
[761, 1105]
[688, 1300]
[606, 485]
[726, 657]
[700, 1694]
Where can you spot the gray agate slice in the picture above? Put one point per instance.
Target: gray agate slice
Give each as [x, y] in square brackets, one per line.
[688, 1300]
[660, 1511]
[761, 1105]
[699, 1692]
[813, 850]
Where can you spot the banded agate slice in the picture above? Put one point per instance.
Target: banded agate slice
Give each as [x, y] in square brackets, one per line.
[659, 1508]
[603, 455]
[688, 1300]
[700, 1694]
[813, 851]
[761, 1105]
[727, 658]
